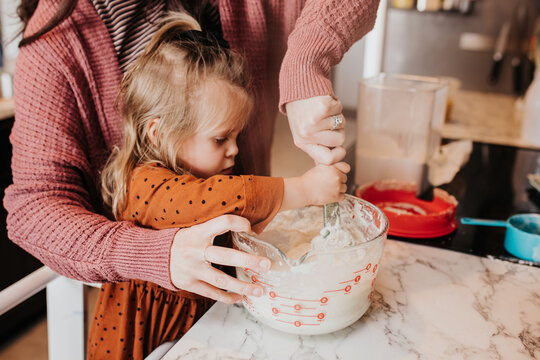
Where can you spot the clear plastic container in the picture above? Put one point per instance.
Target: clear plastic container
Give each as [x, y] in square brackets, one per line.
[399, 124]
[322, 288]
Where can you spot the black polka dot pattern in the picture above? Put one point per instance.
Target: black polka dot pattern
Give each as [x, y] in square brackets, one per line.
[161, 196]
[137, 329]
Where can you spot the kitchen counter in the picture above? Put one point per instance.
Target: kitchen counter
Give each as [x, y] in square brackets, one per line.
[429, 303]
[486, 117]
[492, 185]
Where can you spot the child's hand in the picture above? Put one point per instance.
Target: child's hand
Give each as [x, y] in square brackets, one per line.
[325, 184]
[321, 185]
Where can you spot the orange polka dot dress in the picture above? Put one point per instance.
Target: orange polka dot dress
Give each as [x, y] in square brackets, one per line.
[133, 318]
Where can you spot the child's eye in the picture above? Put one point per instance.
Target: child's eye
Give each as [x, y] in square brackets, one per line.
[221, 140]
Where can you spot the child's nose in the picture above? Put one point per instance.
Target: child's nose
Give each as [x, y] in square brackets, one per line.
[233, 149]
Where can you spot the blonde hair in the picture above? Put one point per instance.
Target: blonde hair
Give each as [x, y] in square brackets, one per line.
[167, 82]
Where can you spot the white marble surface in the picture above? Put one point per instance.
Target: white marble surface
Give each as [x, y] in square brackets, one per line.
[429, 303]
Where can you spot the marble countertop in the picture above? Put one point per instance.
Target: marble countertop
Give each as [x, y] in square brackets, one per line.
[429, 303]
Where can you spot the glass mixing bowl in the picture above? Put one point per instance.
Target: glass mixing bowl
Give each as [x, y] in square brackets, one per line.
[317, 284]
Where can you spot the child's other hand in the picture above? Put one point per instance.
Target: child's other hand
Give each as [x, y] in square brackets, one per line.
[192, 254]
[325, 184]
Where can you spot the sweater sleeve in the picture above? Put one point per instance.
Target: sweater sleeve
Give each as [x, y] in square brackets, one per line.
[325, 30]
[53, 201]
[159, 198]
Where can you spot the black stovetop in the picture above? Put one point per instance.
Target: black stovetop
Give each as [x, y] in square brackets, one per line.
[491, 185]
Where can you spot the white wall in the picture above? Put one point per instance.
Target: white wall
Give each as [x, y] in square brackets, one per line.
[364, 59]
[346, 75]
[10, 27]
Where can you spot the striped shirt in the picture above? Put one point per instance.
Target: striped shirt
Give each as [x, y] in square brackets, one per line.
[131, 24]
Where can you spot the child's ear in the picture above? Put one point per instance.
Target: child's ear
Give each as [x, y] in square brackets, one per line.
[152, 130]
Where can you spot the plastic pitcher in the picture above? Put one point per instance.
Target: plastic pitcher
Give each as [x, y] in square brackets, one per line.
[315, 290]
[398, 127]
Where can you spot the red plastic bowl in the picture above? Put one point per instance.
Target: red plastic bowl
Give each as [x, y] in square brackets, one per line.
[409, 216]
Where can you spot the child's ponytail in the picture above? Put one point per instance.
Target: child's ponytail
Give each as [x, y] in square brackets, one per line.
[173, 26]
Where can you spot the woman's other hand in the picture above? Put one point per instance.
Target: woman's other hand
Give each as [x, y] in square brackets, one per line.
[192, 253]
[313, 126]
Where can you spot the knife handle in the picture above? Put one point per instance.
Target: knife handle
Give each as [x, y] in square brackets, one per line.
[517, 65]
[493, 76]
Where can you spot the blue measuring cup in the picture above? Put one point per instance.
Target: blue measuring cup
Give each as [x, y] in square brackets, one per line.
[522, 238]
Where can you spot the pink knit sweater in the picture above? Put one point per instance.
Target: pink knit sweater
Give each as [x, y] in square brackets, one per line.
[66, 123]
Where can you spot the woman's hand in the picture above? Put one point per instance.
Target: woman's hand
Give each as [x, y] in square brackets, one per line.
[192, 252]
[312, 123]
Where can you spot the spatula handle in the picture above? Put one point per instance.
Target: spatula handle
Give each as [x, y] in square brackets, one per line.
[483, 222]
[331, 212]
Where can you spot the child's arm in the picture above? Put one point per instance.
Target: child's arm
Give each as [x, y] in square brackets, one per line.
[159, 198]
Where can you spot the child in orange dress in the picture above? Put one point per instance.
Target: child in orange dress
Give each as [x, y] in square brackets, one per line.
[184, 102]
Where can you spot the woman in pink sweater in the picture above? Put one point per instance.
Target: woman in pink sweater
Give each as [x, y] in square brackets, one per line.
[66, 80]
